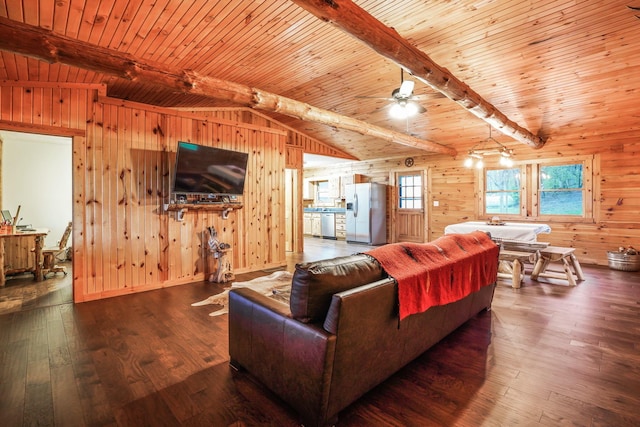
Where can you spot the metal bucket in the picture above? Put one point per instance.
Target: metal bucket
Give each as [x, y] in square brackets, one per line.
[623, 262]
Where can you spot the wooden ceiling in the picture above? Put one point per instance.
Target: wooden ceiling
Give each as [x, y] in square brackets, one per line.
[557, 68]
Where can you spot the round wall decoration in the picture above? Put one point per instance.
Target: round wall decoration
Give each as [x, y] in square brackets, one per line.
[408, 162]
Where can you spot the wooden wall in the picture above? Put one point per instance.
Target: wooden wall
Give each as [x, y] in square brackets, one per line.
[295, 139]
[616, 190]
[123, 153]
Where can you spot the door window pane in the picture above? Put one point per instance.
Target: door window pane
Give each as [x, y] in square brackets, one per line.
[410, 191]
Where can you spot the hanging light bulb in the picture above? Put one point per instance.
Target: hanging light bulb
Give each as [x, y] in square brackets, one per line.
[411, 108]
[506, 161]
[479, 164]
[403, 109]
[398, 111]
[468, 162]
[505, 157]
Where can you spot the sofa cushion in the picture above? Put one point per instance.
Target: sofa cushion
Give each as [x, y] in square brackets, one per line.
[314, 283]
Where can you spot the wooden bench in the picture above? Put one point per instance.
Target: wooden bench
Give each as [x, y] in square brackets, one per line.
[511, 265]
[569, 262]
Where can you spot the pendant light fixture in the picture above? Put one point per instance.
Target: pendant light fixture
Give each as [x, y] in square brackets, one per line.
[488, 147]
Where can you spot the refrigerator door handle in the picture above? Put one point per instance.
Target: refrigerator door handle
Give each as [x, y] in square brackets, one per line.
[355, 205]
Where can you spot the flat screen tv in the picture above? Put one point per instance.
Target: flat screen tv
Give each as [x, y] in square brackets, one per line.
[209, 170]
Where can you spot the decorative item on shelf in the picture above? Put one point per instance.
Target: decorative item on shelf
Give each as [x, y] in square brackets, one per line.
[488, 147]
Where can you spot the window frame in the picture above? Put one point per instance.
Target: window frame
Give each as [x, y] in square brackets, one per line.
[521, 192]
[530, 190]
[414, 198]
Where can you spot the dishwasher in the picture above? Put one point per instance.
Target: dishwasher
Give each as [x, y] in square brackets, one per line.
[328, 225]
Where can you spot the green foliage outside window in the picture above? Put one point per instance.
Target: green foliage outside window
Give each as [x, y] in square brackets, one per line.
[502, 194]
[561, 190]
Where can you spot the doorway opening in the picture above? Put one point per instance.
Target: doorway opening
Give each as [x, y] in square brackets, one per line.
[37, 188]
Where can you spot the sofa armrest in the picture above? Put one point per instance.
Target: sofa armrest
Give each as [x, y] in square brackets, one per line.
[293, 359]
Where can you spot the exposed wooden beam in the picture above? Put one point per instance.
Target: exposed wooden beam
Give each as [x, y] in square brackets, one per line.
[349, 17]
[45, 45]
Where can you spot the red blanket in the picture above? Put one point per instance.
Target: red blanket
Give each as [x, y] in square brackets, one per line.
[440, 272]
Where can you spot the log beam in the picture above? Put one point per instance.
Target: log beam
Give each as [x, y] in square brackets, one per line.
[352, 19]
[45, 45]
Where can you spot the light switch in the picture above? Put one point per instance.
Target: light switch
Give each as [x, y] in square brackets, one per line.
[436, 203]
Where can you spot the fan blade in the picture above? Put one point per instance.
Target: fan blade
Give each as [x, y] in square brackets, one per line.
[414, 108]
[427, 96]
[406, 89]
[383, 98]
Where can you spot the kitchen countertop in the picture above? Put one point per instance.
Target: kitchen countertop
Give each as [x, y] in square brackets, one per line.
[325, 209]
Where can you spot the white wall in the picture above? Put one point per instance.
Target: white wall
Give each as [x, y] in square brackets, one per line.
[37, 175]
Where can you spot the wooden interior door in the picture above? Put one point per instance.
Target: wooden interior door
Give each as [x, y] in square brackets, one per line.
[409, 206]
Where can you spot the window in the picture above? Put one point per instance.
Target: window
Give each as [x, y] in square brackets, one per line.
[554, 189]
[410, 191]
[503, 191]
[561, 190]
[322, 192]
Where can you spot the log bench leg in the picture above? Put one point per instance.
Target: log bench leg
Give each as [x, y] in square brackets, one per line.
[517, 274]
[512, 266]
[568, 272]
[539, 267]
[570, 266]
[577, 267]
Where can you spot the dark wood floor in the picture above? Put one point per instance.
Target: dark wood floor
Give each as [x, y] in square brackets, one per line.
[547, 354]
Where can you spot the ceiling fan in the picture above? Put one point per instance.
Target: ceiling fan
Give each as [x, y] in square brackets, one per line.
[404, 102]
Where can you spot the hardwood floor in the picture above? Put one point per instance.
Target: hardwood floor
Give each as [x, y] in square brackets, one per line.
[547, 354]
[21, 292]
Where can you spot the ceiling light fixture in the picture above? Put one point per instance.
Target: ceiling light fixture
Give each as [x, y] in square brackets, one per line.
[488, 147]
[403, 109]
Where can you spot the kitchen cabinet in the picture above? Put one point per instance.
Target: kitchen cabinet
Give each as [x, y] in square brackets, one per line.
[306, 224]
[341, 227]
[355, 178]
[307, 189]
[316, 224]
[334, 187]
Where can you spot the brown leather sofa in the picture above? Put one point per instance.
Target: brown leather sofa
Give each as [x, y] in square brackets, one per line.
[338, 338]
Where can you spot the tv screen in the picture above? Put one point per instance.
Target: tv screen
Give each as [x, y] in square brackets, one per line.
[209, 170]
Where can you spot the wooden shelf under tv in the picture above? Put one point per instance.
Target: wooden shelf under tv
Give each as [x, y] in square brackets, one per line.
[202, 206]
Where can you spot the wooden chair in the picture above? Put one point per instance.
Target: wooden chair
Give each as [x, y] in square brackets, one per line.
[49, 255]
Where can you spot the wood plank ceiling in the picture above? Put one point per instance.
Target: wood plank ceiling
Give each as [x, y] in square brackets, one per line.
[547, 65]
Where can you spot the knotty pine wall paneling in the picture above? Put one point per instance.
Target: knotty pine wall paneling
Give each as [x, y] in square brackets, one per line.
[123, 159]
[616, 189]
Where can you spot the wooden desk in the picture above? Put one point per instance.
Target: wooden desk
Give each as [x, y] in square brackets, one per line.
[21, 251]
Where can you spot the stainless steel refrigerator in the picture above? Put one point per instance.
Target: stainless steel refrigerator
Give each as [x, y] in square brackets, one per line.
[366, 213]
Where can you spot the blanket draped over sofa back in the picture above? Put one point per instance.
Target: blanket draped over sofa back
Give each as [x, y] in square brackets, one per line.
[440, 272]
